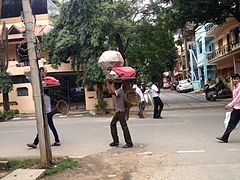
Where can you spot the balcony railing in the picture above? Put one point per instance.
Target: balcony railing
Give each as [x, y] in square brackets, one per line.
[223, 50]
[209, 27]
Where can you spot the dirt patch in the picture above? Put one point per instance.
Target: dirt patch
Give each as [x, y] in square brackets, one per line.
[117, 164]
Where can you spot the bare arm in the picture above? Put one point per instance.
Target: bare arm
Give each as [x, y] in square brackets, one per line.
[110, 87]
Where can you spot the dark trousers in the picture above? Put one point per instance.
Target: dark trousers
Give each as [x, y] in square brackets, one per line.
[234, 119]
[158, 107]
[52, 127]
[141, 108]
[119, 116]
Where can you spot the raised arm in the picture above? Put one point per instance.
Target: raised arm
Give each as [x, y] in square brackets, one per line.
[110, 87]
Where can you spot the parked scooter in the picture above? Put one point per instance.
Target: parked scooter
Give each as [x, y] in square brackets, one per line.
[174, 86]
[212, 92]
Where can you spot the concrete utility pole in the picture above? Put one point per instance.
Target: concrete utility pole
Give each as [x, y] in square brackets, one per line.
[42, 124]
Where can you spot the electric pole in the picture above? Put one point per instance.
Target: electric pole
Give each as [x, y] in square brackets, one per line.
[41, 117]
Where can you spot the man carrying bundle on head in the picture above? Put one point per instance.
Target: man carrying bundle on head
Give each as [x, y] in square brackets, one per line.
[116, 90]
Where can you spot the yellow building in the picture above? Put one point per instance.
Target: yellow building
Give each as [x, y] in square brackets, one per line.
[226, 52]
[21, 96]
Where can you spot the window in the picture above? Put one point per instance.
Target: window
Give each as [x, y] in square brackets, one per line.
[19, 79]
[22, 51]
[210, 48]
[200, 47]
[220, 43]
[236, 35]
[22, 91]
[13, 8]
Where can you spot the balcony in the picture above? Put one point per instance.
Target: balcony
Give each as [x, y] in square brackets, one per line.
[210, 27]
[224, 50]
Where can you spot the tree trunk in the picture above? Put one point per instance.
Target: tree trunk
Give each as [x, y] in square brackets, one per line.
[99, 91]
[6, 106]
[119, 43]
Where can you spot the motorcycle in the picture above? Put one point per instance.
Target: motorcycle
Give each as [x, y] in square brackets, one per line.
[216, 91]
[174, 86]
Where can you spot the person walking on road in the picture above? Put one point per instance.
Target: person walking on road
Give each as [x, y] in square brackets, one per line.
[142, 99]
[158, 104]
[235, 104]
[116, 90]
[47, 103]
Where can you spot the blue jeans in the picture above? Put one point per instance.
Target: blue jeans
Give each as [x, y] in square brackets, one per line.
[52, 127]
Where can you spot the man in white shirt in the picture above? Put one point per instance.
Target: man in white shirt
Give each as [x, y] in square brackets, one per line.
[158, 104]
[142, 103]
[47, 104]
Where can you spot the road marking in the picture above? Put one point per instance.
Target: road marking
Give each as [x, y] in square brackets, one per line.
[162, 124]
[79, 115]
[62, 116]
[191, 151]
[16, 118]
[17, 131]
[233, 149]
[30, 117]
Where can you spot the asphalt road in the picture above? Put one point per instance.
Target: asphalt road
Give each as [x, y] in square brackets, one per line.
[171, 97]
[183, 142]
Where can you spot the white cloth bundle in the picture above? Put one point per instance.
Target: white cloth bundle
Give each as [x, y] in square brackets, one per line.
[110, 59]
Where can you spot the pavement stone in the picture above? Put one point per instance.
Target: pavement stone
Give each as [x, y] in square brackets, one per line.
[4, 164]
[25, 174]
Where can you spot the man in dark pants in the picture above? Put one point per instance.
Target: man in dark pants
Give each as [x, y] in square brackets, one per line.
[47, 103]
[235, 104]
[158, 104]
[119, 115]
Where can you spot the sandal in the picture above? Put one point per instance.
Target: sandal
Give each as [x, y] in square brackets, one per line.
[34, 146]
[128, 146]
[114, 144]
[56, 144]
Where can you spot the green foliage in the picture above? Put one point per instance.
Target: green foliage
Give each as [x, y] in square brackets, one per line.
[60, 165]
[227, 82]
[8, 114]
[84, 29]
[203, 11]
[15, 164]
[101, 107]
[6, 83]
[92, 73]
[152, 50]
[63, 164]
[72, 34]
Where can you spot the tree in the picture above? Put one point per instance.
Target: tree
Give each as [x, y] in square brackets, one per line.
[6, 83]
[152, 50]
[5, 87]
[203, 11]
[86, 28]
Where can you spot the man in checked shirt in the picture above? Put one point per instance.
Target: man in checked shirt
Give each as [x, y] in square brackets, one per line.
[235, 104]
